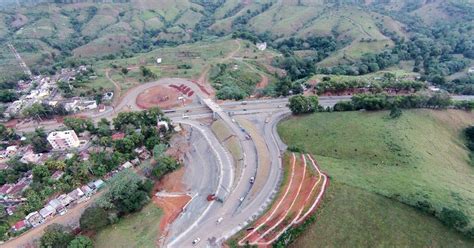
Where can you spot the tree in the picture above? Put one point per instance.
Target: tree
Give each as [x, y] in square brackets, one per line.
[301, 105]
[39, 141]
[41, 173]
[8, 96]
[54, 165]
[126, 193]
[79, 125]
[158, 151]
[94, 218]
[165, 164]
[81, 242]
[56, 236]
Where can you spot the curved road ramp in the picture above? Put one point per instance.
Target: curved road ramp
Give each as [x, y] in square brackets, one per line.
[302, 190]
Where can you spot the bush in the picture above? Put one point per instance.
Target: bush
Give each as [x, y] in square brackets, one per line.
[56, 236]
[454, 218]
[94, 218]
[81, 242]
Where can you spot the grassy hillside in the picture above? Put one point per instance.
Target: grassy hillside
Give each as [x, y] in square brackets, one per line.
[351, 217]
[419, 159]
[137, 230]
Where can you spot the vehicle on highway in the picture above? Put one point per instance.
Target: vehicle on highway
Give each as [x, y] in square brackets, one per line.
[241, 199]
[279, 106]
[244, 103]
[185, 116]
[218, 221]
[196, 240]
[233, 120]
[252, 180]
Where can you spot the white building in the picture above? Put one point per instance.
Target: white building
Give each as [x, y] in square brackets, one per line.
[62, 140]
[261, 46]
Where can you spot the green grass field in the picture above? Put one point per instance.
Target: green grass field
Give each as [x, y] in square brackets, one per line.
[136, 230]
[418, 157]
[351, 217]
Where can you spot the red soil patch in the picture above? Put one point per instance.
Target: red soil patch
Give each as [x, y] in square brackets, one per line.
[161, 96]
[304, 192]
[172, 206]
[171, 182]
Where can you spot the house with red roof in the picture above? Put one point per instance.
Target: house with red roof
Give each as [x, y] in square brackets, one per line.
[118, 136]
[20, 225]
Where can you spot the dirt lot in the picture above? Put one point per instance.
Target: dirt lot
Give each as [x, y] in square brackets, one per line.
[171, 199]
[162, 96]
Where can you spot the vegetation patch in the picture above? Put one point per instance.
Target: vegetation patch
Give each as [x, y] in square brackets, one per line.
[418, 158]
[140, 229]
[353, 217]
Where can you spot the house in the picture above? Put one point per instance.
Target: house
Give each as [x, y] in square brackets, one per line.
[20, 186]
[19, 226]
[125, 165]
[34, 218]
[47, 212]
[108, 96]
[261, 46]
[76, 196]
[5, 189]
[65, 200]
[470, 70]
[135, 161]
[118, 136]
[34, 158]
[56, 205]
[57, 175]
[88, 192]
[61, 140]
[143, 153]
[98, 184]
[11, 209]
[9, 152]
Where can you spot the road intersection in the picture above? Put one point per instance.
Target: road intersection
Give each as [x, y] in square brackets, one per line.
[213, 169]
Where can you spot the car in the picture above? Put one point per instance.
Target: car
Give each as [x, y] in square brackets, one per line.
[244, 109]
[219, 220]
[241, 199]
[252, 180]
[196, 240]
[279, 106]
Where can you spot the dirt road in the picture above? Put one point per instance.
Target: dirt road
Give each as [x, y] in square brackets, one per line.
[71, 218]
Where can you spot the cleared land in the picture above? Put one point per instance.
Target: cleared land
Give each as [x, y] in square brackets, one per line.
[136, 230]
[419, 157]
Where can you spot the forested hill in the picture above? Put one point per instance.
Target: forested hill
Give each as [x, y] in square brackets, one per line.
[359, 31]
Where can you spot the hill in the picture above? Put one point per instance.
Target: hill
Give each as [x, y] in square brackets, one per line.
[54, 30]
[419, 159]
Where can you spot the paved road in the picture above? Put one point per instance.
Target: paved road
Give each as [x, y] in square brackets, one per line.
[237, 214]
